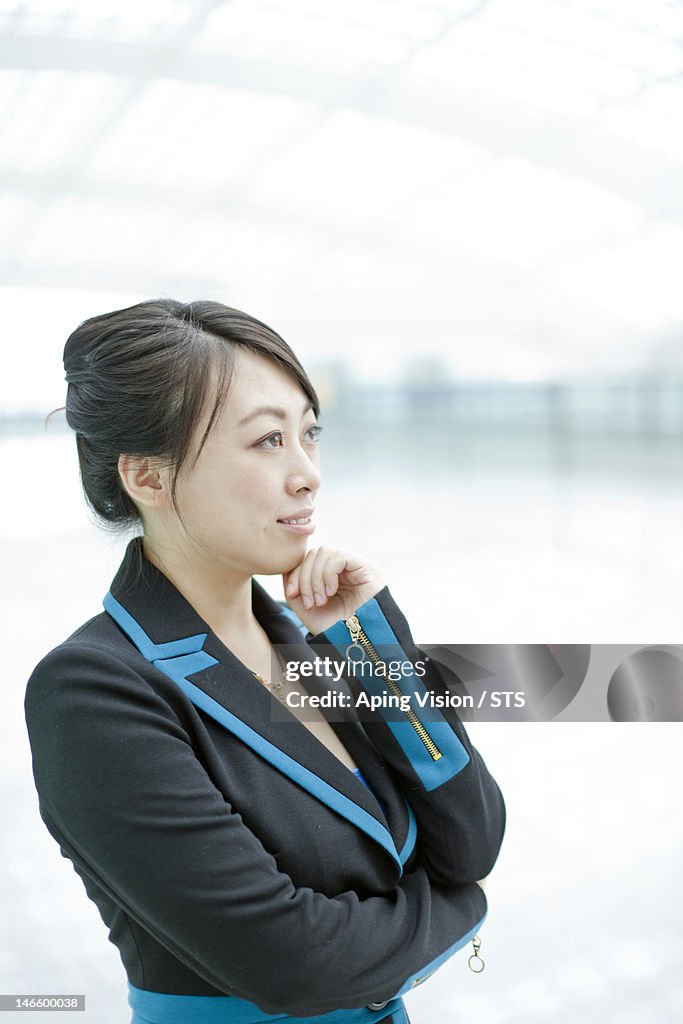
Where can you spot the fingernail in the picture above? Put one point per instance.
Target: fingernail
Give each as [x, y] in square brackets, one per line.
[329, 591]
[319, 599]
[290, 588]
[307, 601]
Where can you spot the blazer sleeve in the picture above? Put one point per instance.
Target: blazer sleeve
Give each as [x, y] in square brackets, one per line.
[458, 805]
[123, 792]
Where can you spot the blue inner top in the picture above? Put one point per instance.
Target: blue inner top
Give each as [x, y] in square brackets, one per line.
[358, 772]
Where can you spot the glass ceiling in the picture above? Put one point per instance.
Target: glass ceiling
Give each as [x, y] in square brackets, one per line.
[497, 183]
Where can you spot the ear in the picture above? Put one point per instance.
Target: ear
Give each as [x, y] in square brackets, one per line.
[144, 480]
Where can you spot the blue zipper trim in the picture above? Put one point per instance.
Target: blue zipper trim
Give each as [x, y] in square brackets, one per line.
[164, 1008]
[180, 658]
[378, 631]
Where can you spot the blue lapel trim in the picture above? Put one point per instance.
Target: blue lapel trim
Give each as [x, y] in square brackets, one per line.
[181, 658]
[157, 653]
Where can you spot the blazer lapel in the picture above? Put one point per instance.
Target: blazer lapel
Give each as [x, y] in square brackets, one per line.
[346, 724]
[171, 634]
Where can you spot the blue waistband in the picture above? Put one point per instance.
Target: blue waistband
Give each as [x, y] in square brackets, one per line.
[162, 1008]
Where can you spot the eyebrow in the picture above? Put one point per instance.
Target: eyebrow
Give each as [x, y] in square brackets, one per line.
[271, 410]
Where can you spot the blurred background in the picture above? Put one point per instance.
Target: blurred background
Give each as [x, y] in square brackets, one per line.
[466, 218]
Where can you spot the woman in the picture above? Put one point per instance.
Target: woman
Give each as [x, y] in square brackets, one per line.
[251, 860]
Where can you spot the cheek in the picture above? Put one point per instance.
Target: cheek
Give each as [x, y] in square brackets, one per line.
[209, 499]
[243, 498]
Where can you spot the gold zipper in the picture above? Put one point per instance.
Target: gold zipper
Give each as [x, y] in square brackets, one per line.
[358, 636]
[424, 977]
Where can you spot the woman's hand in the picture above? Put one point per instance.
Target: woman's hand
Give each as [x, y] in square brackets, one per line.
[330, 584]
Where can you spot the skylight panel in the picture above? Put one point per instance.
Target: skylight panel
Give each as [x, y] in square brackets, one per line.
[632, 35]
[49, 115]
[198, 136]
[237, 249]
[363, 169]
[654, 120]
[14, 211]
[522, 214]
[662, 16]
[512, 63]
[637, 280]
[99, 232]
[108, 19]
[359, 36]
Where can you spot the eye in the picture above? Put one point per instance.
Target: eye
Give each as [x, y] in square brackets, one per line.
[315, 431]
[265, 443]
[277, 439]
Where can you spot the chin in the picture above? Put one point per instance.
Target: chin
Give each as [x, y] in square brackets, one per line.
[283, 563]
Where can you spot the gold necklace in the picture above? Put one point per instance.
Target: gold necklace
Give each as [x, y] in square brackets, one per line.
[274, 687]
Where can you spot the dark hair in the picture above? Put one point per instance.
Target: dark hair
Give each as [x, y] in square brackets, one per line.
[137, 384]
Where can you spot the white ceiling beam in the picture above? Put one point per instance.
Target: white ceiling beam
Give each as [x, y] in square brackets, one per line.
[577, 148]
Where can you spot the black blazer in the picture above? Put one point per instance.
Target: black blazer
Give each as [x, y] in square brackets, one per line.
[227, 849]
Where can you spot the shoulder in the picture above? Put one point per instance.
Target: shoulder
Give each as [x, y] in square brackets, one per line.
[88, 701]
[93, 665]
[98, 638]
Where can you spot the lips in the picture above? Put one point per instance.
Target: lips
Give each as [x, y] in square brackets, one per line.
[297, 518]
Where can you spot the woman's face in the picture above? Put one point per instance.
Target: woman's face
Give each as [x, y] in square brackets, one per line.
[259, 466]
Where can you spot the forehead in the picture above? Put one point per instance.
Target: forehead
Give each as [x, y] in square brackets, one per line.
[258, 380]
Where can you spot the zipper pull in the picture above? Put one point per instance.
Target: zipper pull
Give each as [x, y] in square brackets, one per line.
[354, 627]
[475, 958]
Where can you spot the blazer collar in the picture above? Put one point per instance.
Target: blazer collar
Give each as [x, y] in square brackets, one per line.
[158, 614]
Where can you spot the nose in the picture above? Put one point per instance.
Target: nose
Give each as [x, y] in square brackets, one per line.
[303, 472]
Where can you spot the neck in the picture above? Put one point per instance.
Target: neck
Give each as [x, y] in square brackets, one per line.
[220, 596]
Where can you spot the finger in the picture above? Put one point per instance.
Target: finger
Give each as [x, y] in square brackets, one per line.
[290, 582]
[329, 565]
[305, 586]
[292, 579]
[322, 561]
[330, 570]
[354, 568]
[330, 579]
[343, 567]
